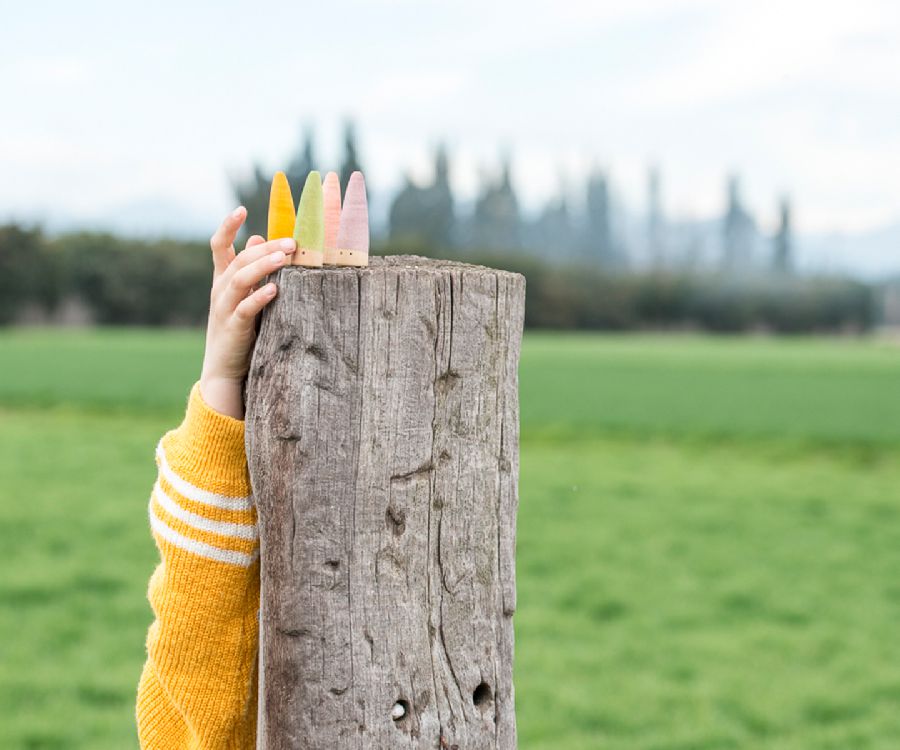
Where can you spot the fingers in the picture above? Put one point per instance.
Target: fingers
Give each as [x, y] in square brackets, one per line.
[250, 306]
[245, 278]
[256, 239]
[254, 252]
[222, 242]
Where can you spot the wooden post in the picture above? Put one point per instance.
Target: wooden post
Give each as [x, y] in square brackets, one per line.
[383, 443]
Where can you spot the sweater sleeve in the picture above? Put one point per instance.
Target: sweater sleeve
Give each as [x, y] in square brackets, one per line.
[198, 686]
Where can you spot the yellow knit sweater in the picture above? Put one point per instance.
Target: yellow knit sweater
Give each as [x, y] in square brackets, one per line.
[198, 686]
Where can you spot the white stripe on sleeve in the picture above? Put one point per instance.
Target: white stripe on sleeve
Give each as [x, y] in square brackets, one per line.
[225, 528]
[201, 549]
[183, 487]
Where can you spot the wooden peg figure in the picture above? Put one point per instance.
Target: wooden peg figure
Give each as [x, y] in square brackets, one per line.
[281, 209]
[309, 229]
[353, 234]
[331, 194]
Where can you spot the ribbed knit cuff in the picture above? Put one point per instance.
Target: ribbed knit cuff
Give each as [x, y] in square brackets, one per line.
[208, 449]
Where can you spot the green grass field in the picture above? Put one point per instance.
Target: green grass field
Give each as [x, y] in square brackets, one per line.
[708, 557]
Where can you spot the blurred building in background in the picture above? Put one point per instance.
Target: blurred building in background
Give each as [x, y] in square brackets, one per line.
[424, 214]
[495, 223]
[591, 231]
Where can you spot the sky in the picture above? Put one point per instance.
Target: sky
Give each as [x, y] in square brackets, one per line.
[109, 105]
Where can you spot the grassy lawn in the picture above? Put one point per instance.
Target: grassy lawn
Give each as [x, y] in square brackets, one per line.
[676, 596]
[709, 538]
[73, 608]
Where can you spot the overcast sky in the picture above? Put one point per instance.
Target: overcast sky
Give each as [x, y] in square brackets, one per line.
[105, 104]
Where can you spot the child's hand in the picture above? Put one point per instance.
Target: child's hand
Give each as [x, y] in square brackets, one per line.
[234, 304]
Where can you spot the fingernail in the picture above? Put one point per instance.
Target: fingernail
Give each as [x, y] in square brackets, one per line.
[270, 290]
[288, 245]
[278, 257]
[237, 212]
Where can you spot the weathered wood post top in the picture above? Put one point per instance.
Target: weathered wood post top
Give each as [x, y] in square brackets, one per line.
[383, 442]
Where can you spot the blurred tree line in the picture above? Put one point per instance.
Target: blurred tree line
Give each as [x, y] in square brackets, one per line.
[105, 279]
[592, 282]
[101, 278]
[572, 297]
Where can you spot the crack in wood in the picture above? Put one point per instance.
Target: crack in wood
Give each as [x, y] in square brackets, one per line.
[425, 468]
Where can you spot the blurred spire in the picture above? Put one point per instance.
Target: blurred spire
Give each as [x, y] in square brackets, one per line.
[782, 260]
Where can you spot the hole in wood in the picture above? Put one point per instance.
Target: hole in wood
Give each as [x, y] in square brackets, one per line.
[400, 711]
[481, 696]
[317, 351]
[396, 520]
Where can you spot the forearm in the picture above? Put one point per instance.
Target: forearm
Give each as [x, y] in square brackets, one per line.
[224, 395]
[198, 689]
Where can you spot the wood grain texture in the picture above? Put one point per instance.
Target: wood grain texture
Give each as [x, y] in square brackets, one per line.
[383, 443]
